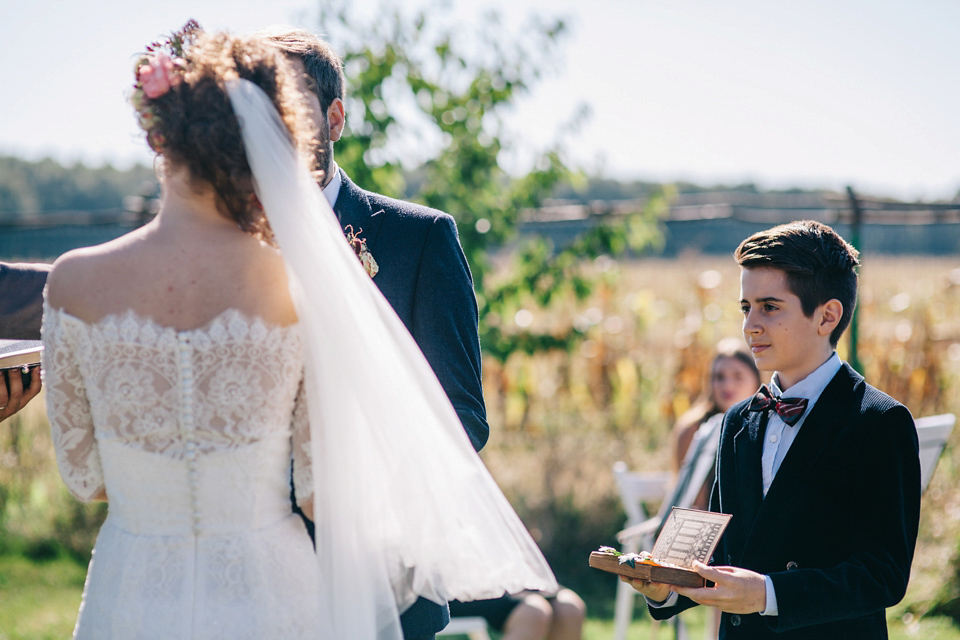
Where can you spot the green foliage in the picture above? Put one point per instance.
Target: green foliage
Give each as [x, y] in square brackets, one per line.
[947, 600]
[417, 77]
[38, 517]
[448, 87]
[40, 598]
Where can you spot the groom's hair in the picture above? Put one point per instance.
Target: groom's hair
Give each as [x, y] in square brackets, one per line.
[322, 65]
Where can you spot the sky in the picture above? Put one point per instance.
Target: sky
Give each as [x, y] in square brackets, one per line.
[807, 93]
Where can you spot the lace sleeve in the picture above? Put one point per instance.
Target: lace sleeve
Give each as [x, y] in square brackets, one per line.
[302, 454]
[68, 410]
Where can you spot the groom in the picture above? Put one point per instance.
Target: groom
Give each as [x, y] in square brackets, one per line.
[420, 267]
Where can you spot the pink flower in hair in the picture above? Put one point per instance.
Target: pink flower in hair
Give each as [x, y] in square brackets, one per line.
[158, 75]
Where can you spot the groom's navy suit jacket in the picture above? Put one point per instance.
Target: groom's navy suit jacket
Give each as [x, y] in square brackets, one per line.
[425, 277]
[837, 528]
[21, 300]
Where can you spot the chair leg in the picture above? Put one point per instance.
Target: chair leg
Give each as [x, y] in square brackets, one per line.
[712, 627]
[623, 613]
[623, 610]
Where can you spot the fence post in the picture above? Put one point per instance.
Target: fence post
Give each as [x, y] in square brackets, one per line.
[855, 241]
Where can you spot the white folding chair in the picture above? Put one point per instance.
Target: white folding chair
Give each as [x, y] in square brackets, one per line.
[636, 489]
[696, 468]
[474, 627]
[933, 432]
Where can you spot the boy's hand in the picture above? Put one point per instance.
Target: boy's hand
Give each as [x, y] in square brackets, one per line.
[13, 396]
[735, 590]
[656, 591]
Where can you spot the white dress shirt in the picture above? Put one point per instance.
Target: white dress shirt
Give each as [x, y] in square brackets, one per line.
[332, 191]
[779, 436]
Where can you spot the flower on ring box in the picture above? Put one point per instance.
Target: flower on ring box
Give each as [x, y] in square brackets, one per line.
[158, 75]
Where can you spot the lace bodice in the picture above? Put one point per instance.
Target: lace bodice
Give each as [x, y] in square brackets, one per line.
[191, 435]
[182, 395]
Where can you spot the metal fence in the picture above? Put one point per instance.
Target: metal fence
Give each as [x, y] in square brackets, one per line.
[708, 223]
[44, 236]
[716, 222]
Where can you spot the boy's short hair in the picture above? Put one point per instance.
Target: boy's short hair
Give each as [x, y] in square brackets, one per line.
[320, 62]
[818, 263]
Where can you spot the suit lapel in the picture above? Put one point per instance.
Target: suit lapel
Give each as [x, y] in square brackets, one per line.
[748, 448]
[353, 208]
[816, 435]
[818, 430]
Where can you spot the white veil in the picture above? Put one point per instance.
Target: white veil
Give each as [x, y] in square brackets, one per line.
[403, 504]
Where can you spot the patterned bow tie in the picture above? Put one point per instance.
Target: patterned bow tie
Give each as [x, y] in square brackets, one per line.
[789, 409]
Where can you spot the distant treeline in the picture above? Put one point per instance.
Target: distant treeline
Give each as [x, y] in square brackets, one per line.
[29, 188]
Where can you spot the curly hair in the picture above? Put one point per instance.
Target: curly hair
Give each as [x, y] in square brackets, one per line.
[193, 126]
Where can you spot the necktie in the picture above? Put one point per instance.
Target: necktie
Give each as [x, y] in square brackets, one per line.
[789, 409]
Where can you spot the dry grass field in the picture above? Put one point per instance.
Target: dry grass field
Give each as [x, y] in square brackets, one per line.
[559, 421]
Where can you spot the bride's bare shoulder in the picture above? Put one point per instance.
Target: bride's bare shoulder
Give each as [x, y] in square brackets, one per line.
[269, 280]
[79, 272]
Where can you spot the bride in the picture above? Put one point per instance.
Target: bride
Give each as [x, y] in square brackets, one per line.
[189, 361]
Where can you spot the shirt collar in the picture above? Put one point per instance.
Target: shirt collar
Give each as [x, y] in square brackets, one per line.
[813, 385]
[332, 191]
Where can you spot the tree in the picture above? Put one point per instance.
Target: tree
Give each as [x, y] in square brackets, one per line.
[30, 188]
[445, 88]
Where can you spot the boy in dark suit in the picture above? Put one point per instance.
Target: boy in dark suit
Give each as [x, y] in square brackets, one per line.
[820, 470]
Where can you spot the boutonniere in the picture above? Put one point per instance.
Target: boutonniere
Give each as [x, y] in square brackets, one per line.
[359, 246]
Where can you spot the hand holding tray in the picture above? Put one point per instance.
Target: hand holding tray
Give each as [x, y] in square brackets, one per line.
[16, 354]
[687, 535]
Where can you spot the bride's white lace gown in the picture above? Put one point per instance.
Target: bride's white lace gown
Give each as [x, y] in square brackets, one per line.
[191, 433]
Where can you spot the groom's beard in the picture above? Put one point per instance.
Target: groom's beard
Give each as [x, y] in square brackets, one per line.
[323, 154]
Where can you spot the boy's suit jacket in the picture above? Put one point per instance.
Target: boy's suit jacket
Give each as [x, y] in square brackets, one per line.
[837, 528]
[425, 277]
[21, 300]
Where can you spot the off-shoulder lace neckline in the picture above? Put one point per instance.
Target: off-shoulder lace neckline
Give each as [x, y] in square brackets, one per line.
[225, 316]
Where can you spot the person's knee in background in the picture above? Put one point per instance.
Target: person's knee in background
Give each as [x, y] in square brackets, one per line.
[530, 620]
[539, 618]
[569, 612]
